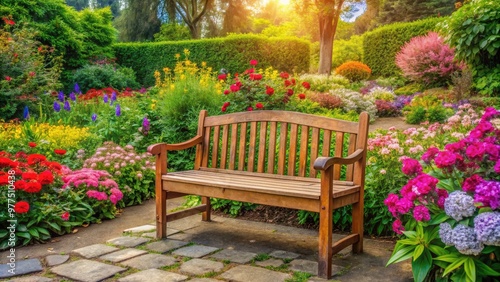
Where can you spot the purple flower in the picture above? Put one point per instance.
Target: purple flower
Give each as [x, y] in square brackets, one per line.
[421, 213]
[118, 110]
[72, 96]
[77, 89]
[145, 126]
[488, 194]
[142, 90]
[487, 228]
[411, 167]
[490, 113]
[105, 98]
[113, 96]
[60, 96]
[446, 233]
[465, 240]
[26, 112]
[67, 106]
[459, 205]
[94, 117]
[57, 106]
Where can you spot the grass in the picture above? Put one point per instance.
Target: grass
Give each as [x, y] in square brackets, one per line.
[261, 257]
[299, 277]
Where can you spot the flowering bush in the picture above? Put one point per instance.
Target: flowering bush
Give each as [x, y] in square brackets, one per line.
[134, 172]
[324, 83]
[426, 108]
[449, 211]
[354, 101]
[427, 59]
[354, 71]
[327, 100]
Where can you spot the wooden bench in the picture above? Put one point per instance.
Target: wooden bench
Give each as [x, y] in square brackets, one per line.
[271, 158]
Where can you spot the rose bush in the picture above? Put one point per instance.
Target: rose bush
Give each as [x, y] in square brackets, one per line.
[449, 210]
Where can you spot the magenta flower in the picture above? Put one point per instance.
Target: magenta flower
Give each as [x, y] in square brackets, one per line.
[488, 194]
[411, 167]
[431, 153]
[470, 184]
[398, 227]
[421, 213]
[445, 159]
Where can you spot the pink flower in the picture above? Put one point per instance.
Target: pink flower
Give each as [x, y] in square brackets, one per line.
[421, 213]
[390, 202]
[404, 205]
[65, 216]
[398, 227]
[222, 76]
[445, 159]
[470, 184]
[475, 151]
[253, 62]
[234, 87]
[411, 167]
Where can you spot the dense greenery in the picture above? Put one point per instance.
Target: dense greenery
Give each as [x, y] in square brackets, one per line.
[231, 53]
[381, 45]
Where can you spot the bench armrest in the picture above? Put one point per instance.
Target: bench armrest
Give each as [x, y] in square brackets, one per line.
[323, 163]
[156, 149]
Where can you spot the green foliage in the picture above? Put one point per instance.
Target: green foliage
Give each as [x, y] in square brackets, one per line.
[232, 53]
[410, 10]
[409, 89]
[347, 50]
[381, 45]
[101, 76]
[426, 108]
[172, 32]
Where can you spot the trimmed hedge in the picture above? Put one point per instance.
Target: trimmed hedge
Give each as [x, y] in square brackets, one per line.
[232, 53]
[381, 45]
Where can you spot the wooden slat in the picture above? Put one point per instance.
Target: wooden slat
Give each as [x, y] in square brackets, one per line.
[251, 147]
[345, 242]
[185, 213]
[292, 153]
[271, 154]
[224, 145]
[314, 151]
[261, 160]
[232, 150]
[282, 149]
[284, 117]
[327, 141]
[304, 144]
[206, 147]
[339, 149]
[352, 148]
[215, 146]
[200, 147]
[243, 144]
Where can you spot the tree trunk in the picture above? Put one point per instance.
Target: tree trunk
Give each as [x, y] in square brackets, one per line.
[326, 34]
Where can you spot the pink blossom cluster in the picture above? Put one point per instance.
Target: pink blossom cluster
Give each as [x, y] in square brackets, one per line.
[98, 181]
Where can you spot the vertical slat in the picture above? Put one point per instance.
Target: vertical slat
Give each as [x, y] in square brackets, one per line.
[215, 146]
[327, 141]
[314, 151]
[292, 155]
[352, 148]
[243, 144]
[282, 150]
[232, 150]
[200, 148]
[206, 145]
[224, 144]
[161, 195]
[304, 143]
[271, 154]
[261, 160]
[325, 224]
[339, 149]
[251, 148]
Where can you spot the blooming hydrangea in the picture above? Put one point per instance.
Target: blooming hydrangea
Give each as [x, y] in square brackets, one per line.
[459, 205]
[487, 228]
[446, 233]
[465, 240]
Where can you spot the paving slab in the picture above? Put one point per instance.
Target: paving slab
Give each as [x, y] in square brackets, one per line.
[31, 278]
[20, 267]
[270, 262]
[195, 251]
[204, 280]
[311, 267]
[201, 266]
[153, 275]
[86, 270]
[93, 251]
[128, 241]
[245, 273]
[142, 228]
[165, 245]
[54, 260]
[123, 255]
[150, 261]
[170, 231]
[284, 254]
[234, 256]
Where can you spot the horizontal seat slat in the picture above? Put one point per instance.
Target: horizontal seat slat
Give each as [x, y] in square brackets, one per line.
[257, 182]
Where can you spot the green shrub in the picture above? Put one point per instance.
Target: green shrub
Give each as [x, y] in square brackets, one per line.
[101, 76]
[347, 50]
[324, 83]
[172, 32]
[231, 53]
[426, 108]
[409, 89]
[381, 45]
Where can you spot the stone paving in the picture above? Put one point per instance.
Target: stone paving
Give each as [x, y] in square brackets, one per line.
[199, 254]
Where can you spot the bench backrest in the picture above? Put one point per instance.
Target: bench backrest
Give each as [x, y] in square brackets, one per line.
[277, 142]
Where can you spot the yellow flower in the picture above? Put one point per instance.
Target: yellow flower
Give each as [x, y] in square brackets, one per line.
[186, 52]
[204, 64]
[177, 56]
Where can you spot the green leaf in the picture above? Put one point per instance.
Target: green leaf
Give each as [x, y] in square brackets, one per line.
[484, 269]
[23, 235]
[412, 242]
[401, 255]
[422, 266]
[442, 217]
[470, 269]
[3, 233]
[454, 265]
[437, 250]
[34, 232]
[448, 258]
[419, 249]
[54, 225]
[43, 231]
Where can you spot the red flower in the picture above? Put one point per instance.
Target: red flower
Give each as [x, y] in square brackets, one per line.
[21, 155]
[223, 109]
[255, 76]
[234, 87]
[46, 177]
[22, 207]
[20, 185]
[54, 166]
[65, 216]
[60, 151]
[32, 73]
[8, 21]
[5, 162]
[284, 75]
[4, 179]
[287, 83]
[249, 71]
[36, 158]
[293, 81]
[253, 62]
[259, 106]
[8, 78]
[306, 85]
[289, 92]
[226, 104]
[33, 187]
[30, 175]
[302, 96]
[222, 76]
[226, 92]
[250, 109]
[32, 144]
[269, 90]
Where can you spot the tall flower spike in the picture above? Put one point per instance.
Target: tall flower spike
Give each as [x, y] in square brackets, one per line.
[26, 113]
[67, 106]
[105, 98]
[57, 106]
[77, 89]
[72, 96]
[118, 110]
[94, 117]
[60, 96]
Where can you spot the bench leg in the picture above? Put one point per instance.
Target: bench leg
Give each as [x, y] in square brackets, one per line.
[205, 216]
[325, 242]
[161, 214]
[357, 226]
